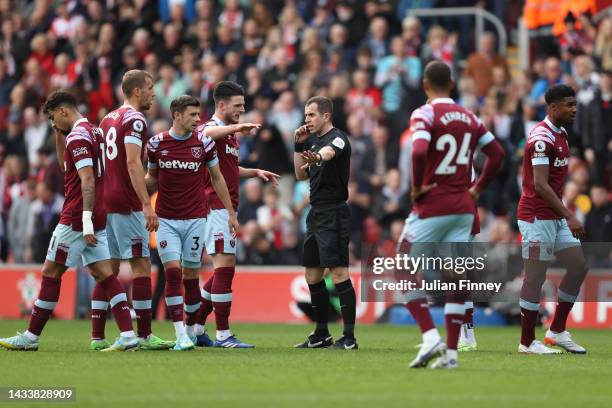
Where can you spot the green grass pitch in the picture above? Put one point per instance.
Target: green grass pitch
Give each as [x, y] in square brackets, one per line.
[276, 375]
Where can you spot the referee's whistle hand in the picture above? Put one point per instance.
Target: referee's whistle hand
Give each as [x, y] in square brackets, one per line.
[301, 134]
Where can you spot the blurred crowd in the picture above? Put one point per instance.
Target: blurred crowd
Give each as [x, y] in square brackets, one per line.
[367, 56]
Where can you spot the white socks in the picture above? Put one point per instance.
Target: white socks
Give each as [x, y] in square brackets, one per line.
[179, 329]
[198, 329]
[127, 334]
[223, 334]
[431, 336]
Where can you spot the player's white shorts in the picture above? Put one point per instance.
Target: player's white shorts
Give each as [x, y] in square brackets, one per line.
[181, 240]
[219, 239]
[67, 246]
[543, 238]
[422, 233]
[128, 237]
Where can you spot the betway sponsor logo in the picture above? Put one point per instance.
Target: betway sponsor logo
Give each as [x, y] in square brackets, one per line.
[561, 163]
[178, 164]
[231, 150]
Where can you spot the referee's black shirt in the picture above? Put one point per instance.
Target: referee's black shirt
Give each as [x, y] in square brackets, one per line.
[329, 180]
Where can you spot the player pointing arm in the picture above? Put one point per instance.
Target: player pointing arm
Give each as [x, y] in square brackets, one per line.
[219, 132]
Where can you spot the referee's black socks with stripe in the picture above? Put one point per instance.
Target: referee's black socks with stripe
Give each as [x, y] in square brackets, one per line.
[320, 304]
[348, 302]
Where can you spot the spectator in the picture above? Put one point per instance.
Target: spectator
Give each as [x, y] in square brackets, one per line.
[42, 53]
[480, 64]
[390, 202]
[6, 84]
[44, 215]
[291, 254]
[169, 86]
[411, 33]
[598, 226]
[60, 78]
[232, 17]
[364, 61]
[271, 149]
[64, 25]
[282, 76]
[354, 23]
[552, 76]
[273, 217]
[603, 43]
[261, 14]
[597, 129]
[502, 90]
[376, 40]
[233, 67]
[250, 201]
[286, 116]
[171, 43]
[440, 46]
[380, 157]
[397, 75]
[363, 101]
[322, 20]
[291, 26]
[35, 133]
[261, 251]
[252, 41]
[18, 220]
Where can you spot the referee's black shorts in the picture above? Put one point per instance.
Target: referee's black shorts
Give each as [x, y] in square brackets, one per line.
[326, 244]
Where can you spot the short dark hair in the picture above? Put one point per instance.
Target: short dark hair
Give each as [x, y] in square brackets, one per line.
[59, 98]
[134, 78]
[181, 103]
[324, 104]
[438, 74]
[224, 90]
[558, 92]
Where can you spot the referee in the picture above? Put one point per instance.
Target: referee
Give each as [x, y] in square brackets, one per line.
[323, 154]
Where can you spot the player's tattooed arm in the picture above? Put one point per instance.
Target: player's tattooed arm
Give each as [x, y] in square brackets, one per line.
[88, 191]
[219, 132]
[544, 190]
[218, 183]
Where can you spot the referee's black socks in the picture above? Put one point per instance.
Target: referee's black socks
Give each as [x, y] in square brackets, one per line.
[320, 304]
[348, 302]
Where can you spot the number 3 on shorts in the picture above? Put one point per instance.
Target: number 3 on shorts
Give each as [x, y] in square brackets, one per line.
[196, 244]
